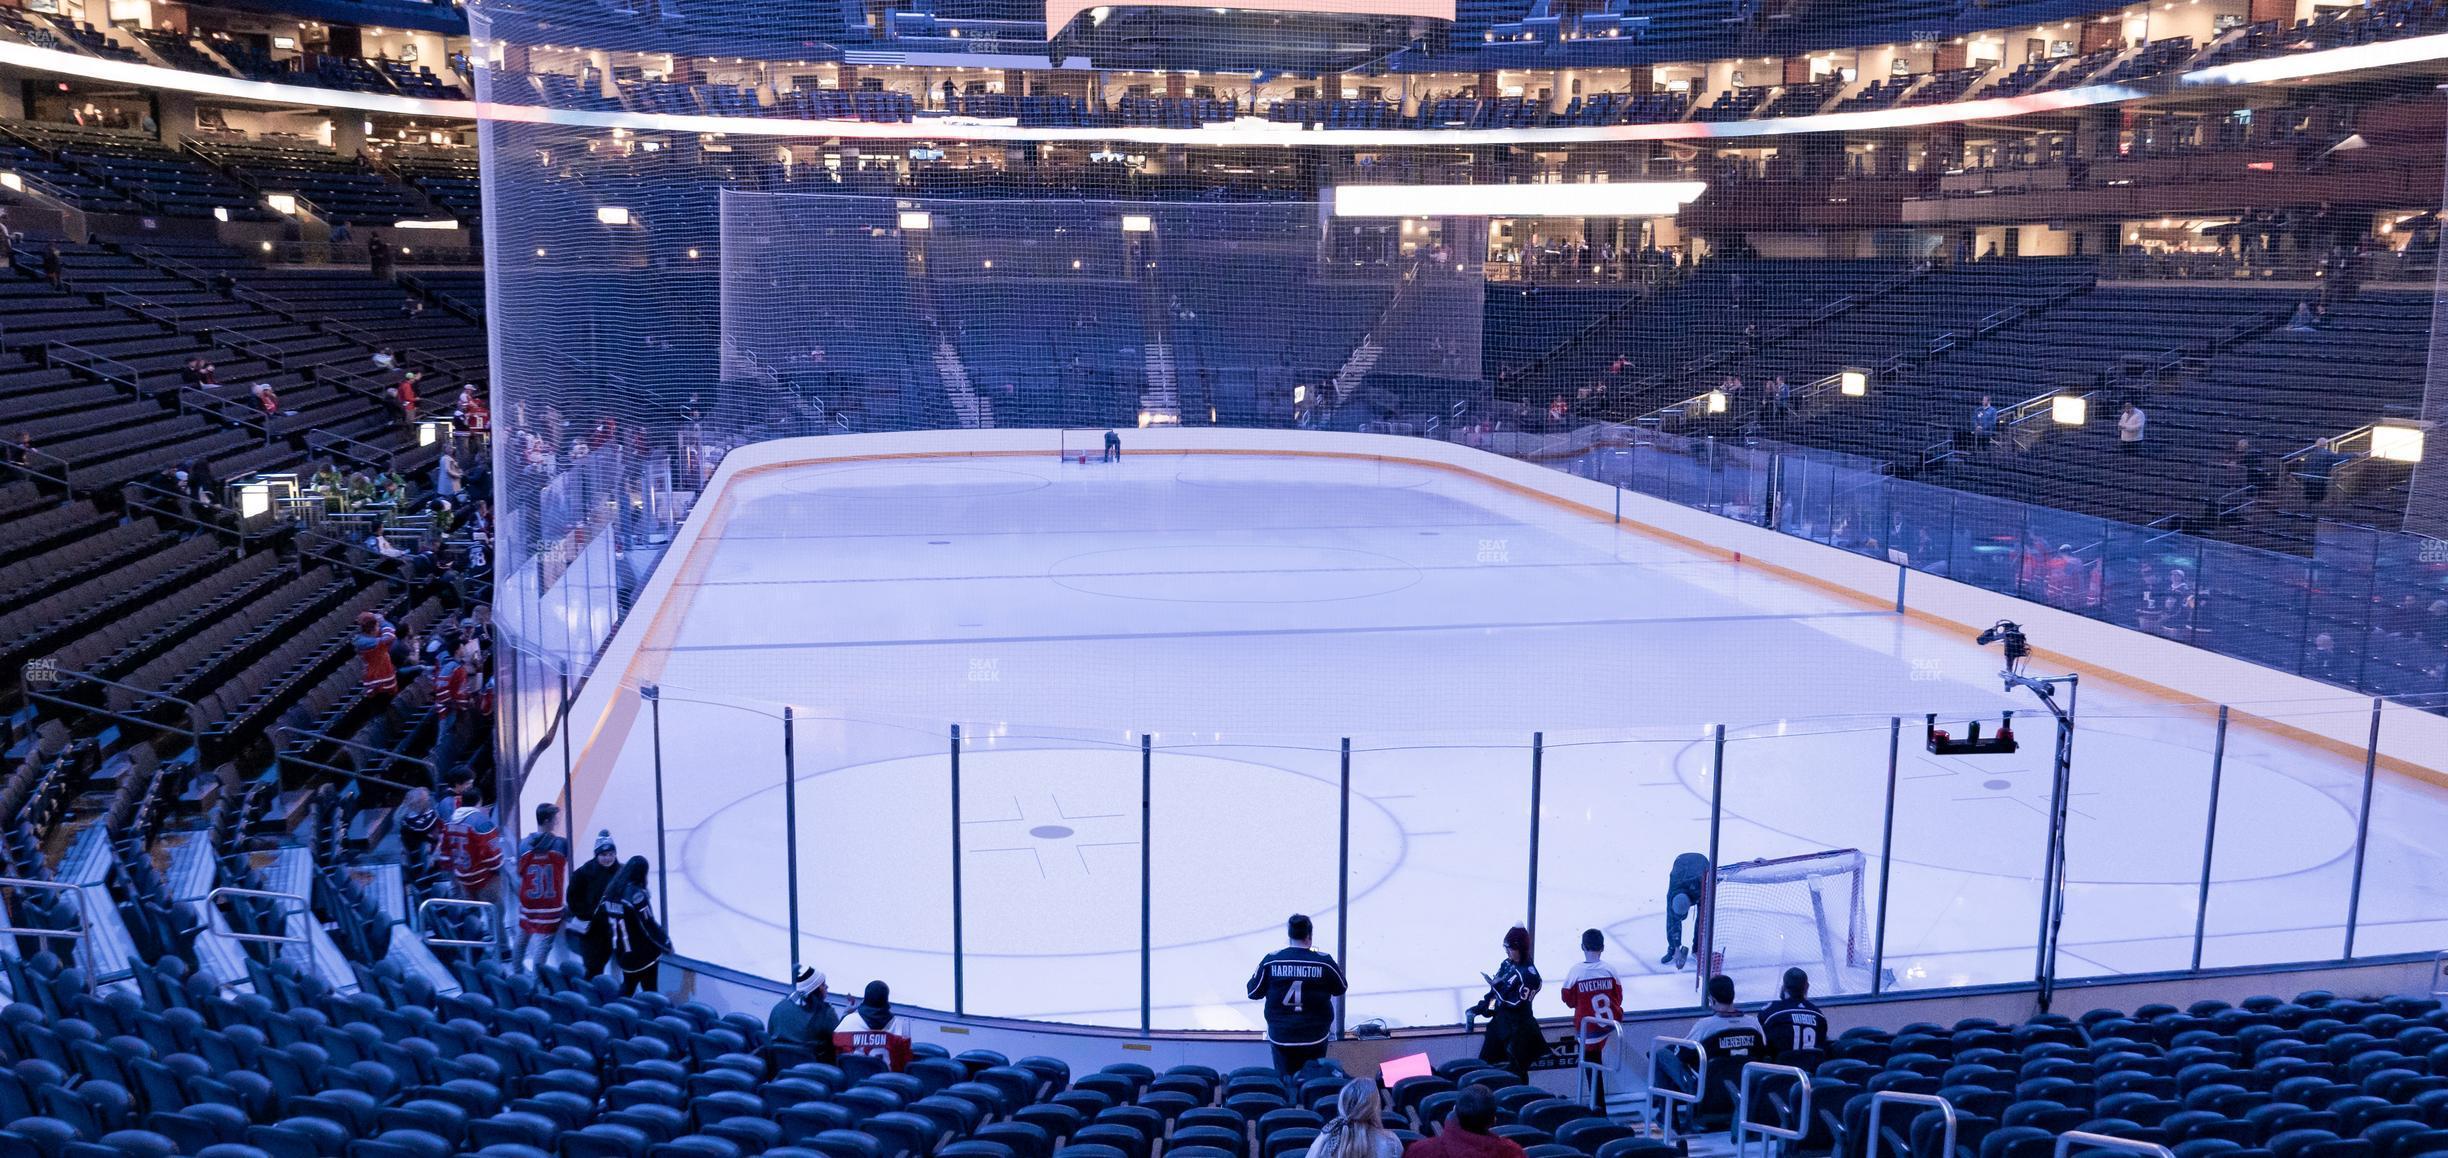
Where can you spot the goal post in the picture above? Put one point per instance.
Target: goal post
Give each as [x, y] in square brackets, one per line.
[1762, 917]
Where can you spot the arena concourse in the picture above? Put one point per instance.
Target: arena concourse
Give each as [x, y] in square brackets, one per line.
[1454, 578]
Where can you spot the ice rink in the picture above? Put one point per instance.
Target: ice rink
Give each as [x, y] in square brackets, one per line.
[1251, 613]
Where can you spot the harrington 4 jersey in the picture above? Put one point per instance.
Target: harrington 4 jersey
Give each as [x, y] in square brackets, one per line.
[1299, 987]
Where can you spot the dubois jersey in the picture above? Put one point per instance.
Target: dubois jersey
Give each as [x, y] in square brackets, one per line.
[1299, 987]
[1592, 990]
[1794, 1027]
[543, 883]
[856, 1035]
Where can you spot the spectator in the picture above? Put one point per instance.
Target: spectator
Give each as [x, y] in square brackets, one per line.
[589, 885]
[2304, 321]
[1594, 993]
[266, 399]
[1728, 1037]
[375, 635]
[448, 476]
[1465, 1133]
[1513, 1038]
[874, 1030]
[2324, 664]
[198, 372]
[472, 843]
[1358, 1129]
[1298, 985]
[805, 1018]
[543, 891]
[378, 256]
[408, 397]
[53, 270]
[2130, 422]
[625, 921]
[418, 826]
[21, 452]
[1985, 423]
[411, 308]
[1794, 1029]
[2319, 466]
[384, 359]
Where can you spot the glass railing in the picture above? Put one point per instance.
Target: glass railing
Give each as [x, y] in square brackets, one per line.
[1130, 880]
[2367, 611]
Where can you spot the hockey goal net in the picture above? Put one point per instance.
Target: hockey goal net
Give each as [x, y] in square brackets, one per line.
[1762, 917]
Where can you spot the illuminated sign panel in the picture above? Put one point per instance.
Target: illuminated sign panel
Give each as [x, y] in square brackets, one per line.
[1060, 12]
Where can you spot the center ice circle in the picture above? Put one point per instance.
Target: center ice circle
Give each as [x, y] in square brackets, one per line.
[1235, 573]
[1049, 848]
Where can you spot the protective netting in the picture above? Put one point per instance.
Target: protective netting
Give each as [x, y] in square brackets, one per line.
[872, 312]
[1809, 911]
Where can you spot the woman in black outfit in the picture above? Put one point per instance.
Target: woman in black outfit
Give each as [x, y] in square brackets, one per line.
[627, 916]
[1513, 1037]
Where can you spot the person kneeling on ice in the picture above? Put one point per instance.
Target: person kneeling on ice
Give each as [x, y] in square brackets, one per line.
[873, 1030]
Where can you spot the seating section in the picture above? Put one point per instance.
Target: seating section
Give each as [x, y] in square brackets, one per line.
[336, 188]
[140, 173]
[2320, 1074]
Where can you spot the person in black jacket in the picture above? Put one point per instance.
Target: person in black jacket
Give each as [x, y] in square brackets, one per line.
[1513, 1040]
[587, 885]
[1299, 986]
[626, 920]
[805, 1018]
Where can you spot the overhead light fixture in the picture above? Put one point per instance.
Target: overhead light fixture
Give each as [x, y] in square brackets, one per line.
[612, 214]
[2069, 409]
[1853, 383]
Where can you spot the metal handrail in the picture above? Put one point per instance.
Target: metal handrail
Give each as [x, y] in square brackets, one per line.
[109, 368]
[492, 917]
[2439, 974]
[1744, 1127]
[1659, 1092]
[228, 410]
[1586, 1071]
[141, 306]
[11, 453]
[80, 934]
[2071, 1138]
[33, 677]
[282, 754]
[1885, 1098]
[265, 894]
[264, 351]
[357, 450]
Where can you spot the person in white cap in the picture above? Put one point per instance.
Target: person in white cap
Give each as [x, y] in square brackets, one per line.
[587, 885]
[805, 1018]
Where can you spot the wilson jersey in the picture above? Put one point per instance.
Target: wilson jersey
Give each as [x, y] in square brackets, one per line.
[1592, 990]
[856, 1035]
[1299, 987]
[543, 883]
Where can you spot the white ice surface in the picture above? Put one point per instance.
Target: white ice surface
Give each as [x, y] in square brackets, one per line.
[1249, 613]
